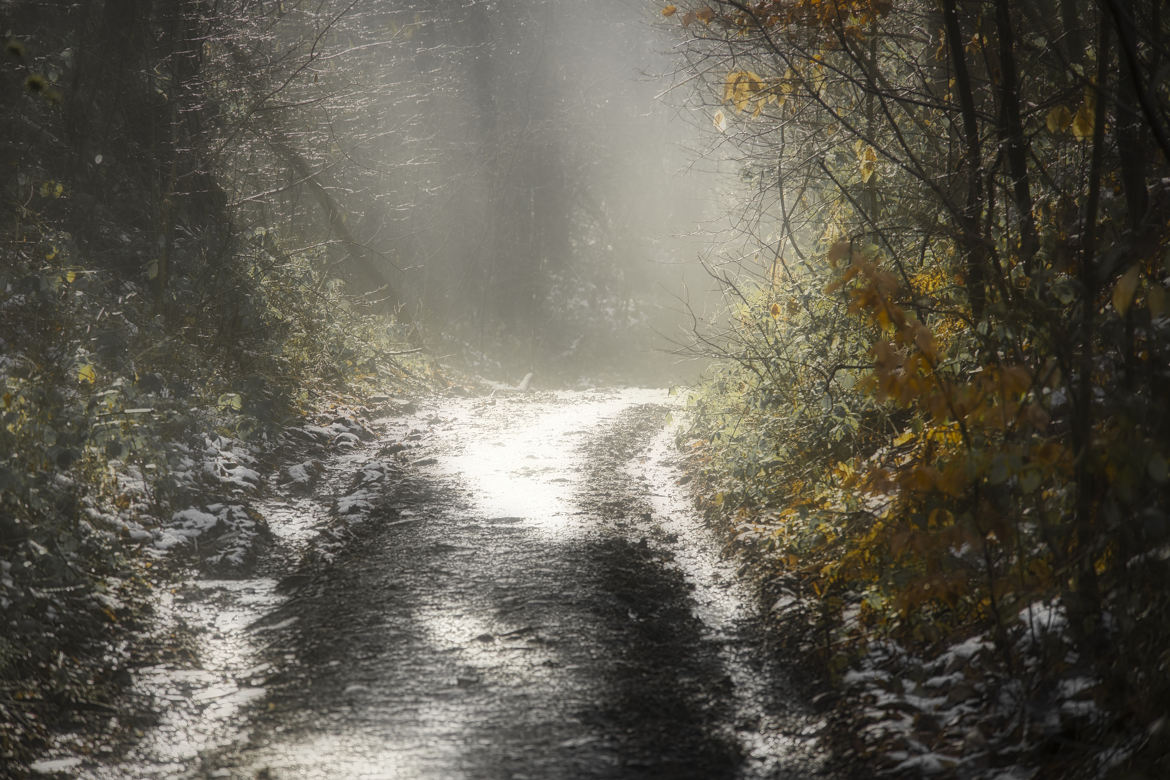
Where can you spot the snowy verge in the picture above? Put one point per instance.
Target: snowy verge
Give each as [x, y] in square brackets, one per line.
[209, 503]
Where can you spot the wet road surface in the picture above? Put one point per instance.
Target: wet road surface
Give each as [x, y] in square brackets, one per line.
[535, 600]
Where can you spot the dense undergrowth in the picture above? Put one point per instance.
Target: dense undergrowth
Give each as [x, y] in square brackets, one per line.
[939, 427]
[912, 525]
[131, 408]
[215, 219]
[120, 414]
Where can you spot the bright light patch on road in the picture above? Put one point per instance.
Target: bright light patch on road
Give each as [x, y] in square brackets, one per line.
[532, 466]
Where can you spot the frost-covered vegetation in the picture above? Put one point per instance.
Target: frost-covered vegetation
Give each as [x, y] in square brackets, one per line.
[218, 216]
[154, 341]
[939, 421]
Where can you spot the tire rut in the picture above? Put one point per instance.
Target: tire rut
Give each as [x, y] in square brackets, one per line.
[473, 644]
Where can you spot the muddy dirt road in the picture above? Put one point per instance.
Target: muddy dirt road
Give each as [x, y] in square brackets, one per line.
[529, 597]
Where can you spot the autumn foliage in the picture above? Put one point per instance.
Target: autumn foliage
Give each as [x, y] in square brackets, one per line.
[942, 393]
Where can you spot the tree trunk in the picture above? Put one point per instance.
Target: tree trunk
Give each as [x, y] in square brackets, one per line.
[972, 246]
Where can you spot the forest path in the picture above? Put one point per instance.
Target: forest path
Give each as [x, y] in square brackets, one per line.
[537, 600]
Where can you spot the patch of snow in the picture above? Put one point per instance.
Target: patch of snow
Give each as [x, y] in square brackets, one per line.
[371, 473]
[242, 476]
[318, 432]
[50, 766]
[944, 680]
[1075, 686]
[107, 600]
[346, 439]
[276, 626]
[971, 647]
[358, 501]
[1045, 616]
[1074, 708]
[299, 473]
[928, 764]
[883, 725]
[186, 525]
[855, 677]
[785, 603]
[135, 532]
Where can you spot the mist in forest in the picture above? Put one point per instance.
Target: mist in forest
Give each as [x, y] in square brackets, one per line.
[523, 181]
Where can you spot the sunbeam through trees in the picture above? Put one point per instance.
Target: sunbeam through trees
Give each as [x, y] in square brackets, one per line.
[293, 291]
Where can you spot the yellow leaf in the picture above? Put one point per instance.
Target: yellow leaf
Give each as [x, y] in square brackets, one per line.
[1125, 289]
[70, 276]
[775, 311]
[705, 15]
[741, 87]
[729, 84]
[669, 10]
[904, 438]
[940, 518]
[1082, 124]
[1039, 567]
[87, 374]
[1156, 300]
[1058, 119]
[867, 162]
[720, 121]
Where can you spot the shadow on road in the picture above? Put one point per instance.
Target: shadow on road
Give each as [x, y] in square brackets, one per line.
[448, 642]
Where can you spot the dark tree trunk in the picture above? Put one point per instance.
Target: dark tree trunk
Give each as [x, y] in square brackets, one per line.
[972, 246]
